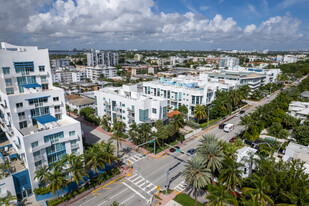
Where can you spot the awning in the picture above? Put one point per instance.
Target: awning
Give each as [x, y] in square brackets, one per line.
[45, 119]
[38, 97]
[28, 86]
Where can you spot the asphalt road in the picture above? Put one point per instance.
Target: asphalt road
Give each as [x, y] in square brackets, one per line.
[139, 188]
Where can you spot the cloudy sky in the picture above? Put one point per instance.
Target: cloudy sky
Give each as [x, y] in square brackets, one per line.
[156, 24]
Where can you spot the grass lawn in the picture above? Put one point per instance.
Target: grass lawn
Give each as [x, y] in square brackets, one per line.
[169, 191]
[186, 200]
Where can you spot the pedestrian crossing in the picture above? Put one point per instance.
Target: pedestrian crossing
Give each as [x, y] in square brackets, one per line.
[143, 184]
[181, 186]
[131, 159]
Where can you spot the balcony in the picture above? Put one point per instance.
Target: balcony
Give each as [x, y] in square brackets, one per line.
[74, 146]
[39, 104]
[21, 118]
[57, 110]
[37, 158]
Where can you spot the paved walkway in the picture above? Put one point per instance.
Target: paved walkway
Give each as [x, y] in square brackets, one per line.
[166, 199]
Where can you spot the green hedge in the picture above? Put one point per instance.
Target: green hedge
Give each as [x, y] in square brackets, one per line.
[193, 124]
[210, 122]
[186, 200]
[41, 191]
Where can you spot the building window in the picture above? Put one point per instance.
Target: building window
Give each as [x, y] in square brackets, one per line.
[18, 105]
[57, 108]
[39, 111]
[42, 68]
[45, 86]
[35, 154]
[123, 118]
[73, 142]
[43, 79]
[39, 101]
[9, 91]
[55, 99]
[154, 110]
[6, 70]
[21, 115]
[56, 157]
[58, 116]
[74, 150]
[71, 133]
[143, 115]
[22, 124]
[24, 67]
[8, 82]
[123, 105]
[38, 163]
[54, 137]
[55, 148]
[34, 144]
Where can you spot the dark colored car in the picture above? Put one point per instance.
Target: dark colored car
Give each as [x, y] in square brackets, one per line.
[173, 149]
[232, 140]
[221, 126]
[191, 152]
[242, 111]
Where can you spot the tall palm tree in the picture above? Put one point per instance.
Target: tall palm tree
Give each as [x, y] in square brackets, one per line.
[133, 133]
[208, 138]
[235, 98]
[118, 128]
[230, 174]
[144, 131]
[200, 112]
[94, 158]
[57, 180]
[108, 150]
[78, 170]
[259, 191]
[196, 175]
[105, 123]
[213, 155]
[297, 198]
[7, 200]
[245, 121]
[218, 196]
[42, 174]
[250, 202]
[178, 121]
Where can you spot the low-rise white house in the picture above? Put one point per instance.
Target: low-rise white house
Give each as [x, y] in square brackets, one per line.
[129, 105]
[297, 152]
[246, 156]
[78, 102]
[299, 110]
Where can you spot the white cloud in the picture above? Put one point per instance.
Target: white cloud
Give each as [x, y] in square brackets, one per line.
[133, 24]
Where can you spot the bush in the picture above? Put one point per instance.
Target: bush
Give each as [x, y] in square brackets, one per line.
[41, 191]
[193, 124]
[55, 202]
[184, 199]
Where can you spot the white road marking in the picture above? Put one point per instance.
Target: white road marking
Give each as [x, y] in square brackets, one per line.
[127, 199]
[181, 186]
[136, 192]
[88, 200]
[112, 197]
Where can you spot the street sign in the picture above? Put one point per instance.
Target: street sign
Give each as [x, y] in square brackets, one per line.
[158, 188]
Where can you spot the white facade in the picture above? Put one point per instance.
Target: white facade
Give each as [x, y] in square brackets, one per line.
[93, 73]
[243, 156]
[102, 58]
[289, 59]
[32, 111]
[228, 61]
[128, 105]
[299, 110]
[187, 90]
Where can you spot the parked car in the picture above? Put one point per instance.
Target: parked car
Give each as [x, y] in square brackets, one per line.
[173, 149]
[191, 152]
[232, 139]
[228, 127]
[221, 126]
[242, 112]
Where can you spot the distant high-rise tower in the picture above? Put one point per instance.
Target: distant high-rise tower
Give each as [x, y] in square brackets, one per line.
[101, 58]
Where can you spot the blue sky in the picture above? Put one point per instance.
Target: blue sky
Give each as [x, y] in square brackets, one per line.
[157, 24]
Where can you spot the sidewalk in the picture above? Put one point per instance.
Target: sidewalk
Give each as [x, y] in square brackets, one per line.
[168, 200]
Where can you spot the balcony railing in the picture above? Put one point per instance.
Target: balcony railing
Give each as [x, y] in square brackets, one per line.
[74, 146]
[57, 110]
[38, 157]
[21, 117]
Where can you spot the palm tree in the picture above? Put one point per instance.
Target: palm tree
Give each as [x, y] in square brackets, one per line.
[218, 196]
[231, 174]
[77, 169]
[7, 200]
[196, 175]
[94, 158]
[213, 155]
[57, 180]
[245, 121]
[250, 202]
[208, 138]
[108, 150]
[199, 112]
[259, 191]
[42, 174]
[105, 123]
[297, 198]
[235, 98]
[178, 121]
[144, 130]
[133, 133]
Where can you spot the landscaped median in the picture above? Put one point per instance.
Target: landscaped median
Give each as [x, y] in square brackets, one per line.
[186, 200]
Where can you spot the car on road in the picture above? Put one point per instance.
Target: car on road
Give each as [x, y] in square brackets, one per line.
[242, 112]
[173, 149]
[221, 126]
[191, 152]
[228, 127]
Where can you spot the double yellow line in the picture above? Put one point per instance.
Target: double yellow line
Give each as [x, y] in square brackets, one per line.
[102, 187]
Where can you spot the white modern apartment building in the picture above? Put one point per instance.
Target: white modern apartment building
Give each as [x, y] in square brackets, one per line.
[56, 63]
[129, 105]
[69, 76]
[187, 90]
[102, 58]
[289, 59]
[271, 74]
[94, 73]
[228, 61]
[299, 110]
[32, 111]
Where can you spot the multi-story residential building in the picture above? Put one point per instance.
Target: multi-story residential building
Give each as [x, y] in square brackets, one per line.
[228, 61]
[94, 73]
[142, 69]
[187, 90]
[253, 80]
[57, 63]
[79, 75]
[33, 114]
[129, 105]
[289, 59]
[102, 58]
[299, 110]
[69, 76]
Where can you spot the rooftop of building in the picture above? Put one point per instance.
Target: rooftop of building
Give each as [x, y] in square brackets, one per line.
[172, 113]
[296, 151]
[79, 101]
[305, 94]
